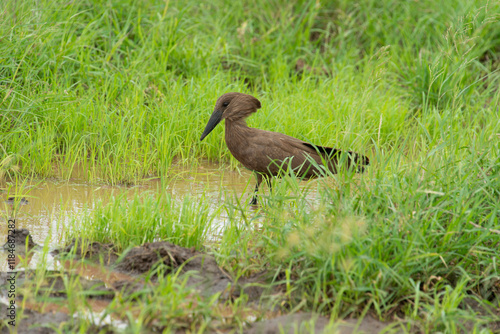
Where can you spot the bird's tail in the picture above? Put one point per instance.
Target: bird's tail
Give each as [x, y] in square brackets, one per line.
[359, 161]
[353, 159]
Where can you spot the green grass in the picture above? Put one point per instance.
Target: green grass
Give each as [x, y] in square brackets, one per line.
[145, 219]
[393, 244]
[124, 88]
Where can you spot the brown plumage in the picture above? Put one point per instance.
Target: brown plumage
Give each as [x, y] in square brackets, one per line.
[265, 152]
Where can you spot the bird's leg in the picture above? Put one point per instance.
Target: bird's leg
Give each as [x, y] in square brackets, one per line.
[259, 180]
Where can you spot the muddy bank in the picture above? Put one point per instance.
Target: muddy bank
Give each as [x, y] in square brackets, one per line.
[103, 275]
[113, 275]
[200, 269]
[44, 298]
[33, 322]
[54, 284]
[204, 275]
[49, 322]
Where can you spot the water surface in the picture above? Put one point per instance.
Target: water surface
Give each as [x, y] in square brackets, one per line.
[52, 204]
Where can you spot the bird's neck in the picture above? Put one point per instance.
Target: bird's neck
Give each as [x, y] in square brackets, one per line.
[237, 132]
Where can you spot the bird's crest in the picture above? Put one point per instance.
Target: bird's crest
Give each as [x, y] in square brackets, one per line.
[237, 105]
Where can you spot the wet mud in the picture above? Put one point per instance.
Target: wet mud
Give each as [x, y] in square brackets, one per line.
[102, 274]
[311, 323]
[20, 240]
[12, 201]
[45, 317]
[123, 274]
[204, 275]
[34, 322]
[54, 283]
[200, 269]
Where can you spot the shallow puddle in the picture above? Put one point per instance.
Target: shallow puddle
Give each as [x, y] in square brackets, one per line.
[53, 204]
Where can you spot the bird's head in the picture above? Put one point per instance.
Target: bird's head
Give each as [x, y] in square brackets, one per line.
[231, 106]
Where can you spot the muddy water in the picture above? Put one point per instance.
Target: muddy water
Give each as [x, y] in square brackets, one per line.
[52, 204]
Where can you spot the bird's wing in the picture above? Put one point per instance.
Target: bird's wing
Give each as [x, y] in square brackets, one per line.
[270, 150]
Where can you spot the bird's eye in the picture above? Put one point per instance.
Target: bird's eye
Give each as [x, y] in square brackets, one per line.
[225, 104]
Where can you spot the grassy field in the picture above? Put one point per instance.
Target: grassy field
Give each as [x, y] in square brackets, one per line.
[125, 88]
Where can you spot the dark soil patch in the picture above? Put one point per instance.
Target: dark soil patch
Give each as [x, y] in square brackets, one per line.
[12, 201]
[93, 251]
[18, 241]
[310, 323]
[202, 270]
[33, 322]
[160, 258]
[54, 284]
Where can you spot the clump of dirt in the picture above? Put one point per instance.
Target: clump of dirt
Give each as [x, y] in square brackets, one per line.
[202, 270]
[12, 201]
[142, 259]
[18, 240]
[93, 251]
[127, 287]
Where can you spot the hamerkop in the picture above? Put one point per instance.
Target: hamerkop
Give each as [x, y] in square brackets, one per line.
[269, 153]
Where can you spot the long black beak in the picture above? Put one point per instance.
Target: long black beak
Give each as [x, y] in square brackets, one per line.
[212, 123]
